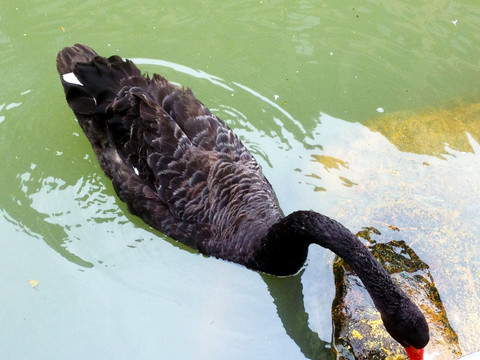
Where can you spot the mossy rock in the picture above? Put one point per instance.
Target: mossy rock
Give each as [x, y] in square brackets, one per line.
[358, 329]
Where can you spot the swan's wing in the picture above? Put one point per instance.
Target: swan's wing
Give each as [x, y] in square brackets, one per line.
[113, 105]
[197, 166]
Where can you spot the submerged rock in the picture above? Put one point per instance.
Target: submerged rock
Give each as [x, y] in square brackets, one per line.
[358, 329]
[428, 131]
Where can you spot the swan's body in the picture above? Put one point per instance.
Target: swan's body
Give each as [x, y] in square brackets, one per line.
[185, 173]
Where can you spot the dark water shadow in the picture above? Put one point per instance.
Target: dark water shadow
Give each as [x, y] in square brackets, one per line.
[287, 293]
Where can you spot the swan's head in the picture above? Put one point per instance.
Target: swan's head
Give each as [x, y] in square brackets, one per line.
[410, 329]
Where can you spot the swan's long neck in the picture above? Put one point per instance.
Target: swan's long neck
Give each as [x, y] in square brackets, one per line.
[287, 244]
[298, 230]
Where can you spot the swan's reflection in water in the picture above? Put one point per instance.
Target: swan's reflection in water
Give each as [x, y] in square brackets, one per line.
[288, 298]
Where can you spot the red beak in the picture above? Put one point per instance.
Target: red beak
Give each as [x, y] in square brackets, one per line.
[414, 353]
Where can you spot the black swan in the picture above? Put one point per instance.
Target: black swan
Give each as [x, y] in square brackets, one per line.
[185, 172]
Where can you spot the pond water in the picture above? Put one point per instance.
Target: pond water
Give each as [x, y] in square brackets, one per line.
[365, 112]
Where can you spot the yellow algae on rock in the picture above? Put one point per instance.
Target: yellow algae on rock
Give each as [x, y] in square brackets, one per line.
[356, 334]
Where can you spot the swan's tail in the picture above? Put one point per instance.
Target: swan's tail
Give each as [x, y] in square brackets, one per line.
[70, 56]
[91, 82]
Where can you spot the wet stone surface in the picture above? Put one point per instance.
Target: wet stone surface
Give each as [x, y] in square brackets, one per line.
[358, 329]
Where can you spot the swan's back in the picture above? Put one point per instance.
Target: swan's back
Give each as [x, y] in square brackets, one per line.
[177, 166]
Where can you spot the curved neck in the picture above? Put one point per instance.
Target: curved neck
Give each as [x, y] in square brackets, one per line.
[285, 250]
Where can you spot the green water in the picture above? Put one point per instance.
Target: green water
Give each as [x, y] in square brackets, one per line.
[364, 111]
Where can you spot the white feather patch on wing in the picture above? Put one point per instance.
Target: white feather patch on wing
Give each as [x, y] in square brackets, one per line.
[71, 79]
